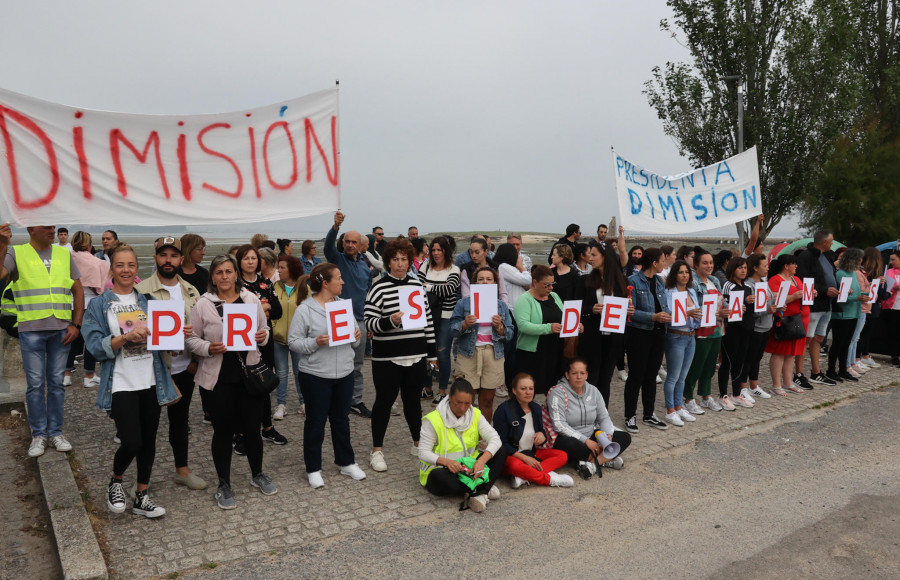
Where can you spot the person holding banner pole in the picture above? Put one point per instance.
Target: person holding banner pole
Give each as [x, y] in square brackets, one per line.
[783, 352]
[645, 340]
[538, 314]
[601, 350]
[482, 344]
[134, 381]
[220, 371]
[709, 339]
[844, 316]
[401, 344]
[290, 290]
[326, 372]
[758, 266]
[166, 284]
[684, 306]
[736, 342]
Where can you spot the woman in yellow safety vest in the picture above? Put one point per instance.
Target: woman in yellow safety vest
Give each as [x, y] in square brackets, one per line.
[448, 450]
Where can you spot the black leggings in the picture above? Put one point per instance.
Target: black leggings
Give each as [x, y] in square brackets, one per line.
[841, 335]
[892, 326]
[390, 379]
[865, 337]
[234, 411]
[756, 350]
[578, 451]
[178, 418]
[735, 346]
[441, 482]
[645, 350]
[136, 414]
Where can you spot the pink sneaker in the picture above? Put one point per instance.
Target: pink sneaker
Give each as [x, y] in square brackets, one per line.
[726, 403]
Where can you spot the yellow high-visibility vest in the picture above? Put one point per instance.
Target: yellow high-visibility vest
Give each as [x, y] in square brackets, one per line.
[449, 443]
[41, 294]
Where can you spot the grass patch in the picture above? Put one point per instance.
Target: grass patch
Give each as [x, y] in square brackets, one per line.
[209, 565]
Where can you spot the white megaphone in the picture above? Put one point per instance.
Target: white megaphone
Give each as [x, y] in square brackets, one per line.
[610, 448]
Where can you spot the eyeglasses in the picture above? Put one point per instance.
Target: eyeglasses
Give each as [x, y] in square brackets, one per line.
[549, 285]
[379, 233]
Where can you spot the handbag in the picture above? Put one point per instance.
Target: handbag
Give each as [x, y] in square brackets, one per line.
[549, 432]
[259, 379]
[788, 327]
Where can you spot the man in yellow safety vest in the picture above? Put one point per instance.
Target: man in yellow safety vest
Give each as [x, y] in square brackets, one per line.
[49, 307]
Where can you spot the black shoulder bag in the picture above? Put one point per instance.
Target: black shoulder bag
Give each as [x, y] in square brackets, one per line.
[259, 380]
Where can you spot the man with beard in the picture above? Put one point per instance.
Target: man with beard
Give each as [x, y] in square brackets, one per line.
[166, 284]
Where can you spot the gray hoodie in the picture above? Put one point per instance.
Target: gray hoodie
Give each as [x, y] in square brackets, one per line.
[576, 415]
[327, 362]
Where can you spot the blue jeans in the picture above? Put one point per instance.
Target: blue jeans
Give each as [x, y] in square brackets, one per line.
[44, 359]
[851, 354]
[327, 400]
[679, 355]
[282, 353]
[443, 340]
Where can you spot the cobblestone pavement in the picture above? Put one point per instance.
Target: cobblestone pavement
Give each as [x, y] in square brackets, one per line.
[195, 531]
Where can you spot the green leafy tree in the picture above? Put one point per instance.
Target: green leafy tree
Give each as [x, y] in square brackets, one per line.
[793, 100]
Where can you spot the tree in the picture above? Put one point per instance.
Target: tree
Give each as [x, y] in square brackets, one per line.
[793, 107]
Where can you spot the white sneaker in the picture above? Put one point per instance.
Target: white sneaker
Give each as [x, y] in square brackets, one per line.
[860, 368]
[516, 482]
[67, 381]
[659, 379]
[301, 410]
[37, 447]
[740, 401]
[395, 409]
[693, 408]
[377, 461]
[623, 375]
[278, 415]
[853, 373]
[674, 419]
[870, 362]
[61, 443]
[711, 403]
[478, 503]
[560, 480]
[759, 393]
[745, 393]
[501, 392]
[494, 493]
[662, 372]
[685, 415]
[617, 463]
[315, 479]
[92, 382]
[354, 471]
[726, 403]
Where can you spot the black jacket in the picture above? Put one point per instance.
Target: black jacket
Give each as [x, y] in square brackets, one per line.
[510, 426]
[809, 266]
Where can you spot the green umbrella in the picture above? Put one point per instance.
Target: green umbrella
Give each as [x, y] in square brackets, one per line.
[801, 244]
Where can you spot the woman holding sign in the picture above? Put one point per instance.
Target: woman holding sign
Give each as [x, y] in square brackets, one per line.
[764, 306]
[220, 371]
[845, 315]
[440, 276]
[326, 371]
[709, 337]
[134, 382]
[399, 318]
[482, 342]
[891, 308]
[684, 306]
[290, 290]
[539, 320]
[781, 363]
[739, 301]
[600, 349]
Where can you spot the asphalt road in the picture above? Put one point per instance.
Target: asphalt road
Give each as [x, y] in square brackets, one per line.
[818, 496]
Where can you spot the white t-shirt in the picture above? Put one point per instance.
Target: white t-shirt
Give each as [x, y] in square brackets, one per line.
[182, 358]
[526, 443]
[134, 363]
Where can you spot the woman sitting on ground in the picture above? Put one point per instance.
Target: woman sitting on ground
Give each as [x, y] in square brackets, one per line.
[449, 440]
[577, 411]
[519, 423]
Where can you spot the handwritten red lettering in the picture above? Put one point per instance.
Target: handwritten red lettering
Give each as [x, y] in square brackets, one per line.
[183, 166]
[311, 133]
[26, 123]
[116, 137]
[234, 166]
[83, 166]
[253, 161]
[265, 152]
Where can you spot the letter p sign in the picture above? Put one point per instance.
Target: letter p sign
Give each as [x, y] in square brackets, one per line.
[166, 325]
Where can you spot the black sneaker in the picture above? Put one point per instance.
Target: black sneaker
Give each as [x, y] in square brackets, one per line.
[144, 506]
[361, 410]
[274, 436]
[115, 497]
[801, 382]
[848, 377]
[654, 422]
[823, 379]
[585, 469]
[833, 377]
[631, 424]
[238, 444]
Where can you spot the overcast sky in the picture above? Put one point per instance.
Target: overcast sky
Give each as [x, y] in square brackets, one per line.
[454, 115]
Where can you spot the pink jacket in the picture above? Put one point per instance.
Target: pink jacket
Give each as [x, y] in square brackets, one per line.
[94, 271]
[895, 274]
[207, 328]
[864, 288]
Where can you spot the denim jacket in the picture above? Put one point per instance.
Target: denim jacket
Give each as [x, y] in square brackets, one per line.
[98, 340]
[468, 337]
[692, 323]
[644, 308]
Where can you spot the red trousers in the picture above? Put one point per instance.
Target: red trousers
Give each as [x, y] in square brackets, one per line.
[551, 460]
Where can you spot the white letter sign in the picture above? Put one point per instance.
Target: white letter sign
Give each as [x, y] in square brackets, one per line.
[809, 288]
[844, 290]
[735, 306]
[873, 291]
[239, 326]
[679, 308]
[615, 314]
[166, 324]
[339, 322]
[782, 296]
[571, 318]
[762, 297]
[483, 302]
[412, 305]
[710, 305]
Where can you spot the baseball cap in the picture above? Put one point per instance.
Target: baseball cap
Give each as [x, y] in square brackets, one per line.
[167, 242]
